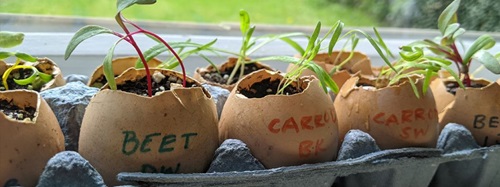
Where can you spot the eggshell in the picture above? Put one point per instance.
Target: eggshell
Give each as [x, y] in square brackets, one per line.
[45, 65]
[173, 132]
[26, 146]
[392, 115]
[478, 109]
[230, 63]
[119, 66]
[282, 130]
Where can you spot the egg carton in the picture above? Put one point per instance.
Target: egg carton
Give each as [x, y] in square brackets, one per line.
[457, 161]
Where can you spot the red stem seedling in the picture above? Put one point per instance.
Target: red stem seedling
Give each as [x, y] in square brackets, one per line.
[93, 30]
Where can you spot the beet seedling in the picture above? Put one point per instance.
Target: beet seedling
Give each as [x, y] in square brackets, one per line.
[93, 30]
[429, 56]
[37, 79]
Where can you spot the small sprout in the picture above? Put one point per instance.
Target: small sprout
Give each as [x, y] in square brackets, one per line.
[249, 45]
[11, 39]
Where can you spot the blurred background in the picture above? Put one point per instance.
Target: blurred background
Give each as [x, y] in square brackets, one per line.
[50, 24]
[479, 15]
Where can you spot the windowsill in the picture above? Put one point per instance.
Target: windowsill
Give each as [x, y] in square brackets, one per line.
[48, 36]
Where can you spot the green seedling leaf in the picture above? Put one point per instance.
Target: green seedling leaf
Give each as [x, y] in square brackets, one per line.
[489, 61]
[412, 55]
[83, 34]
[406, 48]
[272, 37]
[427, 80]
[248, 37]
[452, 73]
[450, 30]
[338, 27]
[5, 54]
[324, 77]
[244, 22]
[484, 42]
[442, 61]
[314, 36]
[173, 63]
[437, 49]
[108, 66]
[375, 46]
[25, 57]
[10, 39]
[28, 80]
[123, 4]
[45, 77]
[448, 16]
[458, 33]
[414, 87]
[294, 45]
[287, 59]
[382, 43]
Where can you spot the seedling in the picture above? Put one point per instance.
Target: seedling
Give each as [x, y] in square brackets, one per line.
[93, 30]
[314, 46]
[249, 45]
[305, 62]
[171, 63]
[429, 56]
[36, 80]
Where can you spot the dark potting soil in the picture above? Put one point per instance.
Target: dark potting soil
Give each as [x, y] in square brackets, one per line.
[15, 112]
[21, 74]
[140, 86]
[222, 78]
[268, 87]
[452, 87]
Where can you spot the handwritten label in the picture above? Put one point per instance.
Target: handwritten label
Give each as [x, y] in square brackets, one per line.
[293, 124]
[482, 121]
[148, 168]
[413, 132]
[131, 143]
[405, 116]
[308, 148]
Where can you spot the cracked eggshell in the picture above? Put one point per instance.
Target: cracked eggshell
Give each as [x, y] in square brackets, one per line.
[44, 65]
[477, 109]
[199, 73]
[282, 130]
[119, 66]
[124, 132]
[392, 115]
[26, 146]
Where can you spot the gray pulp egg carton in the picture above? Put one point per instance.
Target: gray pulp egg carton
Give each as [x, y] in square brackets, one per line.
[457, 161]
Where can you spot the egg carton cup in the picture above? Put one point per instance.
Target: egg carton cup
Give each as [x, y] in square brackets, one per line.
[457, 161]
